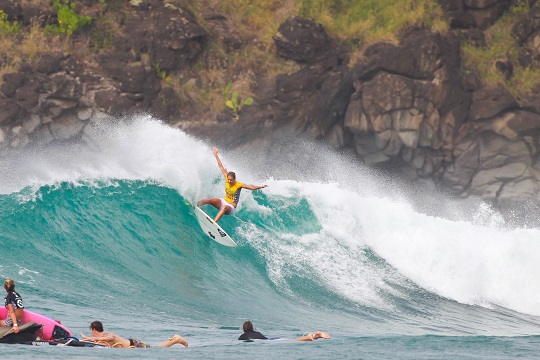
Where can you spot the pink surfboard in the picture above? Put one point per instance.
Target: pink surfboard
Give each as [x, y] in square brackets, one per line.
[51, 329]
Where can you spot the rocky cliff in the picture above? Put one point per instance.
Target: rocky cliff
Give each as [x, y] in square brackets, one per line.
[408, 107]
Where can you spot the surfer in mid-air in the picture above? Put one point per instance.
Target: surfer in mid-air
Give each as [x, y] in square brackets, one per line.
[228, 204]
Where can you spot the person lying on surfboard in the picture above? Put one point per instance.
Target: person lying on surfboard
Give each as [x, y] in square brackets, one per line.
[250, 334]
[113, 340]
[228, 204]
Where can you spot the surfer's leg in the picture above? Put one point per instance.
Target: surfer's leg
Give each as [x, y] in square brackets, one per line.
[176, 339]
[224, 210]
[321, 335]
[215, 202]
[311, 337]
[308, 337]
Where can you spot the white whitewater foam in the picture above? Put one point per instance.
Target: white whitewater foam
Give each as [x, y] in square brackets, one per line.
[472, 262]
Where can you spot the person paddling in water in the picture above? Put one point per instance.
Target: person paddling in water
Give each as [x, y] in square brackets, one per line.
[250, 334]
[113, 340]
[228, 204]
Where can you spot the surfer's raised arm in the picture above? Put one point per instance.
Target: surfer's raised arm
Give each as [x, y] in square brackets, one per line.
[220, 164]
[254, 187]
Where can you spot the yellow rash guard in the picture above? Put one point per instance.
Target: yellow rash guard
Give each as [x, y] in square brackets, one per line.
[232, 193]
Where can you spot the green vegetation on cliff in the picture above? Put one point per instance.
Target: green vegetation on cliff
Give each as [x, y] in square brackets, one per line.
[355, 23]
[68, 20]
[23, 45]
[6, 26]
[360, 23]
[501, 45]
[200, 87]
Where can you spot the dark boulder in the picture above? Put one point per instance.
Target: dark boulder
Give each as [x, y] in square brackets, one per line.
[40, 12]
[471, 80]
[505, 67]
[26, 97]
[489, 101]
[50, 63]
[416, 56]
[13, 9]
[220, 28]
[323, 85]
[111, 101]
[169, 34]
[303, 40]
[9, 110]
[133, 78]
[481, 14]
[12, 81]
[66, 87]
[166, 104]
[522, 28]
[114, 60]
[523, 123]
[475, 37]
[324, 97]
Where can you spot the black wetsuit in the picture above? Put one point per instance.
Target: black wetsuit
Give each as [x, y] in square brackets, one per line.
[248, 335]
[14, 299]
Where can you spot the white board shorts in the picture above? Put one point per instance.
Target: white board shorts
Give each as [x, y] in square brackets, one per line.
[225, 203]
[9, 322]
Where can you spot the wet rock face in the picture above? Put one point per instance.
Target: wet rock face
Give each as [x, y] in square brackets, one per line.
[60, 90]
[477, 140]
[169, 34]
[316, 96]
[409, 105]
[408, 102]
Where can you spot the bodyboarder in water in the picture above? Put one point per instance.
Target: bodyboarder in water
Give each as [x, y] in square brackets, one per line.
[113, 340]
[227, 205]
[250, 334]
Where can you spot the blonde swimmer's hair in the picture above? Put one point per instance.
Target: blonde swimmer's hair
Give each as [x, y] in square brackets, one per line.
[9, 285]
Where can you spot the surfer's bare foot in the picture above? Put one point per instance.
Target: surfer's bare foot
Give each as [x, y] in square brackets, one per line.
[177, 339]
[199, 203]
[321, 335]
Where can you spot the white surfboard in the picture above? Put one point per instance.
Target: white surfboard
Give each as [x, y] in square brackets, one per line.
[213, 230]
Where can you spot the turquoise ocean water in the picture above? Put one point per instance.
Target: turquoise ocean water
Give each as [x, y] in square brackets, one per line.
[104, 231]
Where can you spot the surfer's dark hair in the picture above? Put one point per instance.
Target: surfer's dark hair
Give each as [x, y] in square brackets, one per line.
[248, 326]
[9, 285]
[96, 325]
[231, 173]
